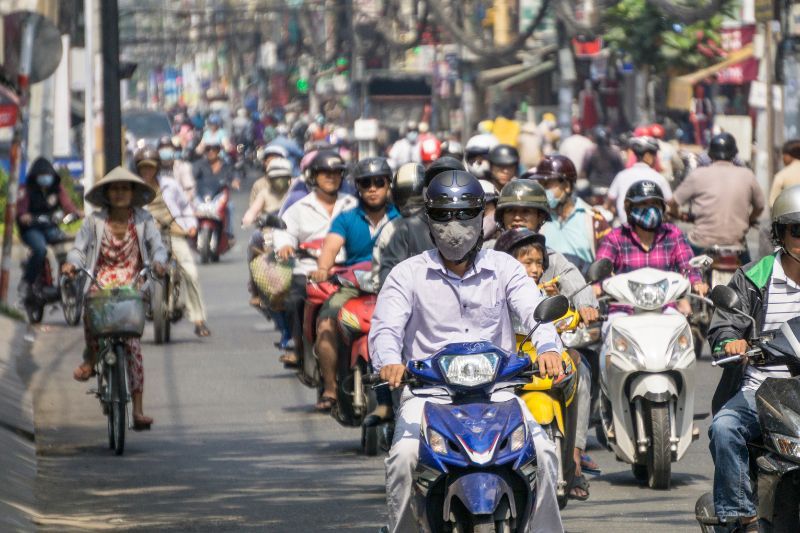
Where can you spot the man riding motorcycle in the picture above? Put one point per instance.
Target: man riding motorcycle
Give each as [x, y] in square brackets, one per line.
[456, 292]
[355, 232]
[503, 164]
[476, 154]
[726, 199]
[769, 291]
[211, 173]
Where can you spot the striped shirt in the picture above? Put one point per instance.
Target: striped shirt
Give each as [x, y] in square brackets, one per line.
[783, 303]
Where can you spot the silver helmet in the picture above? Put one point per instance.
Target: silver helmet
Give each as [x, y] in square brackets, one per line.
[407, 189]
[785, 210]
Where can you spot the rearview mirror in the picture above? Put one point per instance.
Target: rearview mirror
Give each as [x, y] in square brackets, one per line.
[551, 309]
[724, 298]
[599, 270]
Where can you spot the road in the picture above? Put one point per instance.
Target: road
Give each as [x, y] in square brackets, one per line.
[236, 445]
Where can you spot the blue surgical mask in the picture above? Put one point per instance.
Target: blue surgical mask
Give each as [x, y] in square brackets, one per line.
[648, 218]
[552, 201]
[166, 154]
[45, 180]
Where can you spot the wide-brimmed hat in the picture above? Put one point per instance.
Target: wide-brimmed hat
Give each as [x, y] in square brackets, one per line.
[143, 194]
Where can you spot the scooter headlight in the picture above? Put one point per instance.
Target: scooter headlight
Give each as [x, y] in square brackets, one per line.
[469, 370]
[437, 442]
[682, 343]
[649, 296]
[786, 445]
[518, 438]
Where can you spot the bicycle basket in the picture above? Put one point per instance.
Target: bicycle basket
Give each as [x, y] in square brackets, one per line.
[115, 312]
[270, 276]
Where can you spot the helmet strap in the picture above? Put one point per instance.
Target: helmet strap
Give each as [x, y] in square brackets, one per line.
[790, 254]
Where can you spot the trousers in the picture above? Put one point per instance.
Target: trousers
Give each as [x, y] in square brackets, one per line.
[190, 282]
[404, 454]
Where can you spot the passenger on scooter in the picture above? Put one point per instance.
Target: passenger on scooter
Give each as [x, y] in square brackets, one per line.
[503, 164]
[308, 220]
[769, 291]
[355, 232]
[171, 209]
[42, 195]
[269, 198]
[268, 154]
[456, 292]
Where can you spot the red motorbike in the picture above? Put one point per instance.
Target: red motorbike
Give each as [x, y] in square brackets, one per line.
[212, 219]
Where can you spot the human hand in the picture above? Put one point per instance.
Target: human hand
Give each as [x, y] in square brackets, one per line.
[285, 253]
[550, 364]
[26, 219]
[589, 314]
[737, 347]
[319, 275]
[193, 233]
[598, 290]
[69, 270]
[700, 288]
[236, 184]
[393, 375]
[550, 288]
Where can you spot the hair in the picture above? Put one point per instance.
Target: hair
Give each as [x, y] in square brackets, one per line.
[519, 251]
[792, 148]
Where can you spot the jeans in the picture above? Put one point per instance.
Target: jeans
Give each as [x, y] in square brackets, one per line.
[37, 240]
[733, 427]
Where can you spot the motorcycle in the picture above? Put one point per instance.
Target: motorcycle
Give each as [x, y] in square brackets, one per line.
[775, 458]
[166, 305]
[51, 287]
[212, 214]
[477, 462]
[647, 375]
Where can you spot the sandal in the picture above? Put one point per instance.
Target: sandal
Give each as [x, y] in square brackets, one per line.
[201, 330]
[83, 372]
[289, 360]
[589, 466]
[325, 404]
[580, 485]
[142, 423]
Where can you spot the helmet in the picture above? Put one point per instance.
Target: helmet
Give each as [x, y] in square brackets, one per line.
[644, 190]
[514, 238]
[643, 145]
[324, 160]
[521, 193]
[407, 188]
[479, 145]
[279, 167]
[423, 127]
[430, 149]
[557, 167]
[601, 135]
[440, 165]
[722, 147]
[273, 149]
[490, 193]
[504, 155]
[642, 131]
[147, 156]
[454, 189]
[453, 148]
[166, 141]
[372, 167]
[785, 210]
[657, 131]
[214, 120]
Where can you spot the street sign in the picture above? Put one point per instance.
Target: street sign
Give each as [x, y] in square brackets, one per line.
[8, 115]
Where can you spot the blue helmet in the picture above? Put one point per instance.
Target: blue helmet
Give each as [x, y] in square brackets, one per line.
[454, 189]
[214, 120]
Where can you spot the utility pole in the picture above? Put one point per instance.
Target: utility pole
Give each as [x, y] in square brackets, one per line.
[770, 104]
[112, 114]
[88, 96]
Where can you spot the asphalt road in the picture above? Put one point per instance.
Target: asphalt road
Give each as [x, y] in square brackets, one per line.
[236, 444]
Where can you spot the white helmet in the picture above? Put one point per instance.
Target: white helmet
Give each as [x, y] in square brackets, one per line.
[280, 167]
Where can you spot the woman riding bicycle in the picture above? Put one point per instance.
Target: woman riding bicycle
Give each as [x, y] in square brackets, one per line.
[113, 244]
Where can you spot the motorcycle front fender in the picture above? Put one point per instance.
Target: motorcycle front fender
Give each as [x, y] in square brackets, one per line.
[653, 387]
[544, 409]
[772, 469]
[360, 350]
[480, 493]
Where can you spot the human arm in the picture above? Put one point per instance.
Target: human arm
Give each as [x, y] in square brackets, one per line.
[155, 246]
[256, 206]
[395, 251]
[682, 254]
[725, 326]
[393, 309]
[327, 258]
[286, 240]
[571, 280]
[24, 218]
[84, 240]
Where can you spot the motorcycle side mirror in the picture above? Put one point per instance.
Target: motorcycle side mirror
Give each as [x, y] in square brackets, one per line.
[599, 270]
[551, 309]
[725, 298]
[700, 261]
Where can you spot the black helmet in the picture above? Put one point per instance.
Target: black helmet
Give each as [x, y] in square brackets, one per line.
[371, 167]
[722, 147]
[504, 155]
[521, 193]
[454, 189]
[514, 238]
[643, 145]
[407, 188]
[644, 190]
[325, 160]
[443, 164]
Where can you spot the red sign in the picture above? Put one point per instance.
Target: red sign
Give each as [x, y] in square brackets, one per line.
[585, 48]
[735, 39]
[8, 115]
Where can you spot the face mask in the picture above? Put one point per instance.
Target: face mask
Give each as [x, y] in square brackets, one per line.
[478, 170]
[412, 136]
[648, 218]
[45, 180]
[279, 185]
[552, 201]
[166, 154]
[456, 239]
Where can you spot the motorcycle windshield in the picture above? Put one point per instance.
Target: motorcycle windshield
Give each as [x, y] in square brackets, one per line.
[778, 405]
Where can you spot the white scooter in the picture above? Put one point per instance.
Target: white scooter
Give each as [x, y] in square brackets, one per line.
[647, 375]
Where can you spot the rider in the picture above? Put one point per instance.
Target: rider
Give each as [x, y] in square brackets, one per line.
[576, 229]
[309, 219]
[214, 134]
[41, 197]
[210, 174]
[269, 197]
[406, 149]
[769, 291]
[268, 154]
[354, 231]
[789, 175]
[476, 154]
[503, 164]
[726, 199]
[456, 292]
[645, 150]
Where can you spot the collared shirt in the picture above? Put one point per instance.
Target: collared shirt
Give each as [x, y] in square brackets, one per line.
[575, 235]
[359, 232]
[309, 220]
[670, 251]
[789, 176]
[623, 181]
[177, 202]
[422, 307]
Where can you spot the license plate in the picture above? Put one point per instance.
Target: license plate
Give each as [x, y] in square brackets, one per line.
[720, 277]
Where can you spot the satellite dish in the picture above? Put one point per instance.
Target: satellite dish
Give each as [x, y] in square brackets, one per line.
[47, 47]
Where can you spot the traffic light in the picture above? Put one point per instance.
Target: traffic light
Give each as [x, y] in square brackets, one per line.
[302, 85]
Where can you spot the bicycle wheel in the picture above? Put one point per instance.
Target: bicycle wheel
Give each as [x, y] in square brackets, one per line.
[158, 304]
[119, 399]
[110, 390]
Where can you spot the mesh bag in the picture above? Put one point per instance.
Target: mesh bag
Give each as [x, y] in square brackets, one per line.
[272, 277]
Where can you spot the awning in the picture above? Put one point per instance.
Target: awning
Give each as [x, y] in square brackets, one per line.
[680, 89]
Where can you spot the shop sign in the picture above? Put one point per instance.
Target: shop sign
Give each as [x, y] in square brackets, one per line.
[733, 39]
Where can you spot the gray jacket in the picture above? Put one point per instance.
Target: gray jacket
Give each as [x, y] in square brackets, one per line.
[411, 237]
[570, 279]
[85, 251]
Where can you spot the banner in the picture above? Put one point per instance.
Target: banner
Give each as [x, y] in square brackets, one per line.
[734, 39]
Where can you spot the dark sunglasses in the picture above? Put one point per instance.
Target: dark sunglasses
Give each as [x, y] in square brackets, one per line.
[366, 183]
[446, 215]
[794, 230]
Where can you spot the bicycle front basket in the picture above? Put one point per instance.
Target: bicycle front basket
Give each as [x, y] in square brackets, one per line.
[117, 312]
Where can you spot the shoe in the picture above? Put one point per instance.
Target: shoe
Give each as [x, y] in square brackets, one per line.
[142, 423]
[381, 413]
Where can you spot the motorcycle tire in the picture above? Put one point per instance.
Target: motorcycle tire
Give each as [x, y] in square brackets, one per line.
[600, 435]
[370, 440]
[659, 454]
[71, 301]
[158, 304]
[118, 400]
[34, 312]
[204, 245]
[484, 525]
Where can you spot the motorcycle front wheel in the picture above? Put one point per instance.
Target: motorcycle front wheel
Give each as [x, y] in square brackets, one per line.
[204, 244]
[659, 454]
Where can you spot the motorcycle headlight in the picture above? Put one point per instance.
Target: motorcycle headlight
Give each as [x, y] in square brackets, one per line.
[469, 370]
[682, 343]
[437, 442]
[649, 296]
[518, 438]
[785, 445]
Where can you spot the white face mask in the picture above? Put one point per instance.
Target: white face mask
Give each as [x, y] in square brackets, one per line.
[479, 170]
[456, 239]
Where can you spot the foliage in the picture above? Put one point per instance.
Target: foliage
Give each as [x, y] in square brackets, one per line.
[638, 29]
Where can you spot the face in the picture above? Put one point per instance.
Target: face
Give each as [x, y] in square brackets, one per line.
[374, 191]
[329, 181]
[120, 195]
[503, 173]
[148, 173]
[212, 153]
[791, 243]
[533, 261]
[558, 187]
[523, 217]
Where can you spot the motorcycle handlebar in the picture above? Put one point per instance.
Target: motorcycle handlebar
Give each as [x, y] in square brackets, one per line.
[735, 358]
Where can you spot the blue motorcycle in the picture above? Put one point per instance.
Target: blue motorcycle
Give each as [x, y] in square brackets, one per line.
[477, 462]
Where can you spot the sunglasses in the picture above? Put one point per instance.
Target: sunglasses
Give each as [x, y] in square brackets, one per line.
[794, 230]
[378, 182]
[446, 215]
